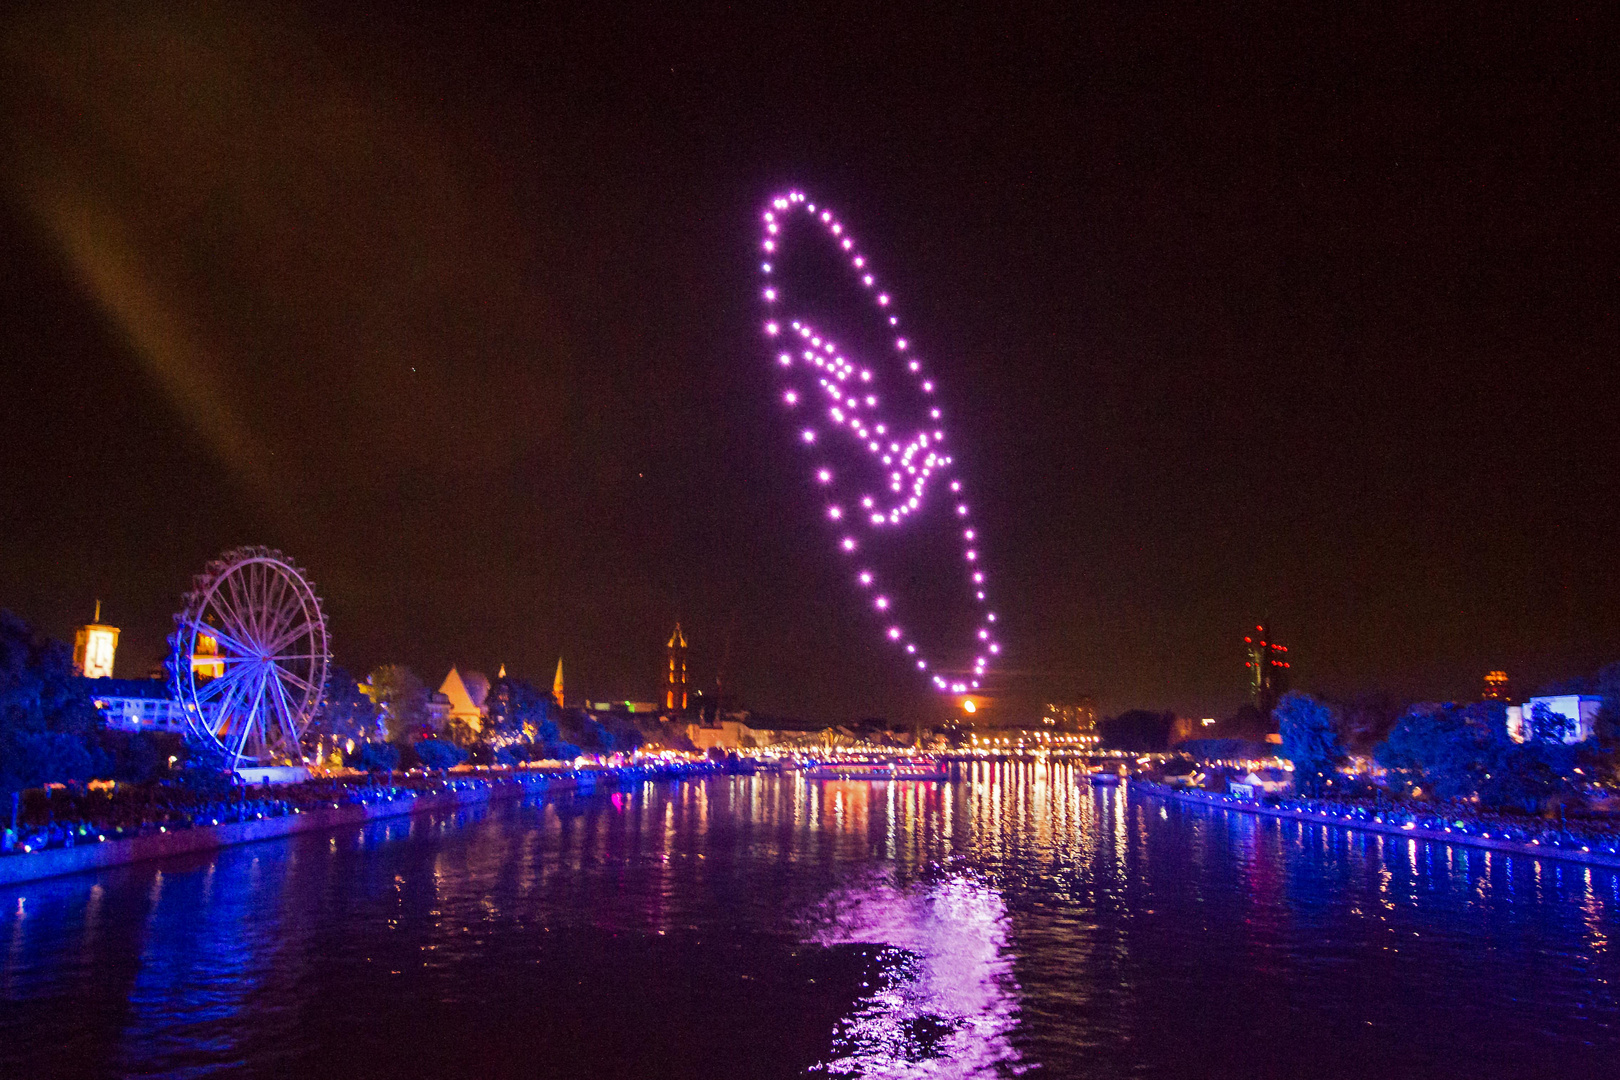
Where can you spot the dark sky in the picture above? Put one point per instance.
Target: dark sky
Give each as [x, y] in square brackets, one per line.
[1241, 313]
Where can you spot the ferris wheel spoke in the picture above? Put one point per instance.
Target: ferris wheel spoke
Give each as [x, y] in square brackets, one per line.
[280, 621]
[283, 636]
[218, 685]
[276, 609]
[249, 720]
[309, 689]
[288, 714]
[227, 639]
[225, 602]
[237, 612]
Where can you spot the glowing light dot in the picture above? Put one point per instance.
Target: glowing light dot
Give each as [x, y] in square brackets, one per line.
[961, 509]
[882, 603]
[956, 485]
[972, 555]
[770, 294]
[995, 648]
[968, 534]
[825, 476]
[849, 543]
[894, 633]
[900, 343]
[991, 616]
[835, 512]
[809, 436]
[978, 579]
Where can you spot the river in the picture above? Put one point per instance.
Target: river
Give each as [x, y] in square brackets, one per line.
[1015, 921]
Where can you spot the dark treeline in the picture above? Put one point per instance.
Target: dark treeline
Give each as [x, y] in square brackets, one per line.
[50, 729]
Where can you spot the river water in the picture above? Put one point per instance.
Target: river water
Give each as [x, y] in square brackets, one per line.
[1015, 921]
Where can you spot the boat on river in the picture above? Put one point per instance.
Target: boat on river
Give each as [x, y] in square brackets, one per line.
[879, 769]
[1104, 778]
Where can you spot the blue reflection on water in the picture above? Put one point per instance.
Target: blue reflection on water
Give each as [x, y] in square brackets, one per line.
[769, 926]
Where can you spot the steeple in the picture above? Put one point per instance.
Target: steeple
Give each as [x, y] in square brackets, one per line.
[557, 685]
[675, 674]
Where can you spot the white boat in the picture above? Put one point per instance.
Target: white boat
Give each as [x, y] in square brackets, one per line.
[880, 769]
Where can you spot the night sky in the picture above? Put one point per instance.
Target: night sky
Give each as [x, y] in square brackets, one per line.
[1239, 316]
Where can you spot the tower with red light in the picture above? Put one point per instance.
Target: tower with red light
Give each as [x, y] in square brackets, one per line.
[1267, 664]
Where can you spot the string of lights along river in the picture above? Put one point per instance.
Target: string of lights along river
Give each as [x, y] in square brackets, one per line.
[874, 435]
[1010, 921]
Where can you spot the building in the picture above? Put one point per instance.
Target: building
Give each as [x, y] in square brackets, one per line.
[1075, 718]
[1496, 686]
[137, 704]
[94, 646]
[466, 695]
[1268, 666]
[1578, 712]
[676, 694]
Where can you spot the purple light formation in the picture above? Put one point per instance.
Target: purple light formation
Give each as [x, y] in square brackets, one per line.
[825, 390]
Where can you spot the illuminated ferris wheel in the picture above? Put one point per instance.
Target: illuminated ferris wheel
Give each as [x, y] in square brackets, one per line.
[248, 656]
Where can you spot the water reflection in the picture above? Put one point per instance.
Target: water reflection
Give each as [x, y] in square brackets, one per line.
[769, 926]
[943, 1007]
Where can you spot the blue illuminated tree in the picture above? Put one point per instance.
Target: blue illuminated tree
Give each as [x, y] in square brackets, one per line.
[1310, 739]
[48, 724]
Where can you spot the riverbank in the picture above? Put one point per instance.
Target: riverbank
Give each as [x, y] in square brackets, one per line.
[1408, 830]
[164, 841]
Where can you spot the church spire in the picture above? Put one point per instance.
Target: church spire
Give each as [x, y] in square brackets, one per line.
[557, 685]
[675, 676]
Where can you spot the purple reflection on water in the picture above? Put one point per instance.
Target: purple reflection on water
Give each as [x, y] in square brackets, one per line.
[947, 1000]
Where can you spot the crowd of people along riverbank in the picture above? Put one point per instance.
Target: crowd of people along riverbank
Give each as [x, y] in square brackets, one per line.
[66, 815]
[1597, 833]
[1442, 769]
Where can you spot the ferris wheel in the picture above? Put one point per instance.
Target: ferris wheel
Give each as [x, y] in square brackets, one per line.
[248, 656]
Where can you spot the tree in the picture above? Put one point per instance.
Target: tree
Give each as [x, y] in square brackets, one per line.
[439, 754]
[1310, 739]
[402, 699]
[1438, 748]
[344, 713]
[1138, 731]
[1366, 720]
[373, 757]
[517, 708]
[48, 724]
[1547, 726]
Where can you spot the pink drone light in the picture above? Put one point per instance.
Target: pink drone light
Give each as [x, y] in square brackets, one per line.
[906, 462]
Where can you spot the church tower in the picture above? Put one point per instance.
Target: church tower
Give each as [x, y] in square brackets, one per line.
[93, 648]
[556, 685]
[675, 675]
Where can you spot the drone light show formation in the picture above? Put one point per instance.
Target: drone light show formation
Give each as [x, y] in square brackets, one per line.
[874, 435]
